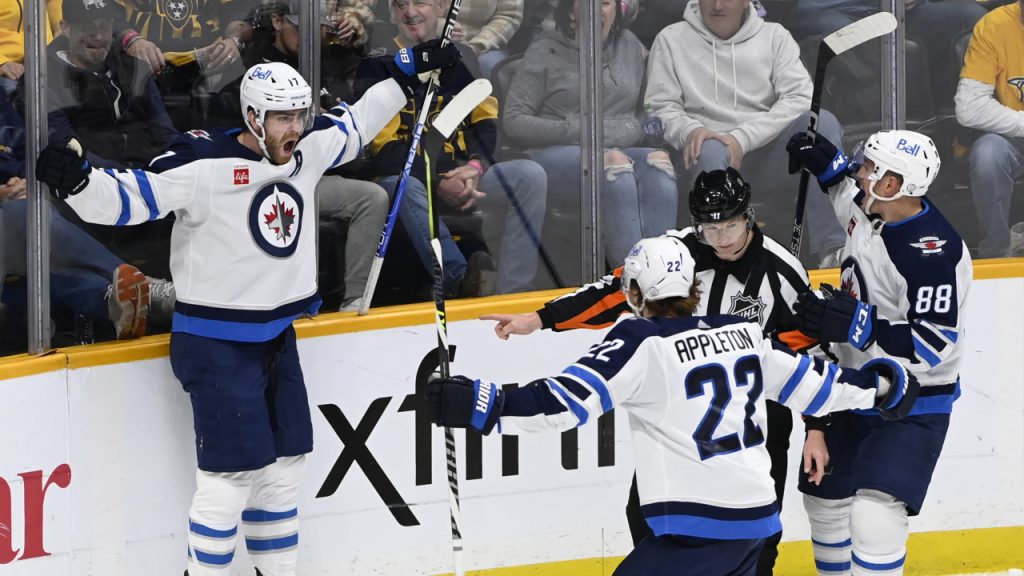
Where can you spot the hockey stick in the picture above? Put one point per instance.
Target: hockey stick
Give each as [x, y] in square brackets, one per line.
[389, 225]
[442, 128]
[833, 45]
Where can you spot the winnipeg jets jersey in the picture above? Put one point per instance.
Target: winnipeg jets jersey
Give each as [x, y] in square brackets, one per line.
[695, 390]
[917, 273]
[243, 246]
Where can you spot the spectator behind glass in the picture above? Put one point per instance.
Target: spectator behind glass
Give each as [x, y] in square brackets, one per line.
[990, 98]
[362, 205]
[344, 47]
[542, 113]
[12, 39]
[201, 41]
[509, 195]
[729, 88]
[85, 277]
[937, 25]
[486, 26]
[106, 99]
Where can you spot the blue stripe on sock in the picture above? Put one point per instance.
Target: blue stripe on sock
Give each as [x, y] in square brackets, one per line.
[273, 544]
[215, 559]
[253, 515]
[202, 530]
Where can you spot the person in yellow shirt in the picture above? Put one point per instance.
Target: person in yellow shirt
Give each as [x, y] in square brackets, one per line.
[12, 38]
[990, 98]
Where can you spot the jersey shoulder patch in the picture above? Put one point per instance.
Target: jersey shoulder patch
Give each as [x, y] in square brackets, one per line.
[196, 145]
[926, 243]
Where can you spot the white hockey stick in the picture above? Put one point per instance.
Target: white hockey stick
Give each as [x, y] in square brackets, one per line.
[833, 45]
[454, 112]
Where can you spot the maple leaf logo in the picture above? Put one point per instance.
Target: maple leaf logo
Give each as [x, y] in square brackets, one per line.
[280, 219]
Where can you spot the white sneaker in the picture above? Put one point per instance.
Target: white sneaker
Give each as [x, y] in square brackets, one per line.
[128, 302]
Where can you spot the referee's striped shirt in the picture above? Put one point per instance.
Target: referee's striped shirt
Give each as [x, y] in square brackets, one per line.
[761, 286]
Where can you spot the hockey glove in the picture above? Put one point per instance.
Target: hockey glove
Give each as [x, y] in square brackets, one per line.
[836, 317]
[459, 402]
[819, 157]
[63, 168]
[898, 389]
[409, 63]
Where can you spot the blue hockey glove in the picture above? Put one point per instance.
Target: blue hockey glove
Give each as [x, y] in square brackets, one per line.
[837, 317]
[63, 168]
[897, 399]
[459, 402]
[821, 158]
[409, 63]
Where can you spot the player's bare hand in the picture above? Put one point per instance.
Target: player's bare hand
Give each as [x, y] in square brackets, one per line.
[148, 52]
[15, 188]
[508, 324]
[694, 142]
[12, 70]
[815, 456]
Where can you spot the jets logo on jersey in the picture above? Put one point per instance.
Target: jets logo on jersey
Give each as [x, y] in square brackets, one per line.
[241, 176]
[178, 12]
[851, 226]
[199, 135]
[275, 219]
[748, 307]
[851, 280]
[929, 245]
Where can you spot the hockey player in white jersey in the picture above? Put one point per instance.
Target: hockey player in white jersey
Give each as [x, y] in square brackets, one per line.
[695, 389]
[243, 260]
[904, 284]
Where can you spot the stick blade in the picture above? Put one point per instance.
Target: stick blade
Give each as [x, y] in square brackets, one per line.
[461, 106]
[860, 32]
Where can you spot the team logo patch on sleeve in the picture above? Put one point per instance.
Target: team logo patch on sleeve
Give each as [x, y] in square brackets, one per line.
[199, 135]
[929, 245]
[275, 219]
[748, 307]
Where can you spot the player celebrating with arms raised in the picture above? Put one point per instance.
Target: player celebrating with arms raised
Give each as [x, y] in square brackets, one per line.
[244, 270]
[905, 278]
[695, 388]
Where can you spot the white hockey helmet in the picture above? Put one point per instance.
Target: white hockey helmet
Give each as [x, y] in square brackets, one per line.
[912, 155]
[662, 268]
[273, 86]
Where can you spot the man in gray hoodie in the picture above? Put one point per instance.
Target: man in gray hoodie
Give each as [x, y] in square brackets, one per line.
[728, 88]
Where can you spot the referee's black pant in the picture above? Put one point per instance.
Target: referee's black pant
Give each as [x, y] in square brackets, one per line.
[780, 425]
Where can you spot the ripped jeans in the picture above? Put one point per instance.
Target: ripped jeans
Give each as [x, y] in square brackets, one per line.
[637, 201]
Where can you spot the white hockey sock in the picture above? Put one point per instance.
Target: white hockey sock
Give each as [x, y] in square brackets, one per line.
[830, 534]
[271, 521]
[880, 528]
[213, 521]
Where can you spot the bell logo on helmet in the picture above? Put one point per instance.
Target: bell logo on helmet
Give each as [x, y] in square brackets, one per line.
[908, 148]
[261, 73]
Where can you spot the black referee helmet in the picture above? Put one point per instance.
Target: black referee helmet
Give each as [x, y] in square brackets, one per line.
[719, 195]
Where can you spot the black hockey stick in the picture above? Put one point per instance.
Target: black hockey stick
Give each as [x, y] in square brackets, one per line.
[421, 120]
[440, 130]
[833, 45]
